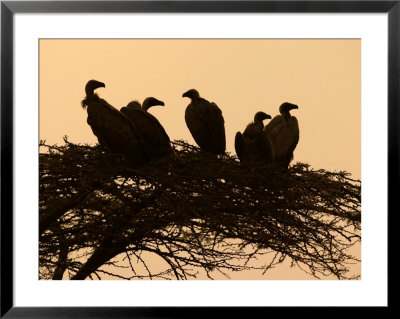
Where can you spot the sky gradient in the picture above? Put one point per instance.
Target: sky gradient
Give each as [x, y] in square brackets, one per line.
[323, 77]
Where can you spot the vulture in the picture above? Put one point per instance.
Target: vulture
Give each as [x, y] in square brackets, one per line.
[283, 132]
[156, 140]
[114, 131]
[205, 123]
[253, 144]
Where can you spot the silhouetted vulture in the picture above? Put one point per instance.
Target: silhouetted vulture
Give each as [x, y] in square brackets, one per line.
[156, 140]
[253, 144]
[283, 132]
[205, 123]
[114, 131]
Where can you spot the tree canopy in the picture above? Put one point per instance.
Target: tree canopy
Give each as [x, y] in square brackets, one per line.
[99, 216]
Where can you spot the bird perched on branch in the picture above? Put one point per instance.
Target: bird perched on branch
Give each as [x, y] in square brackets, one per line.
[156, 140]
[253, 144]
[114, 131]
[206, 123]
[283, 132]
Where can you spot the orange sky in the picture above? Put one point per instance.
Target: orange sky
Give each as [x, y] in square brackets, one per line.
[323, 77]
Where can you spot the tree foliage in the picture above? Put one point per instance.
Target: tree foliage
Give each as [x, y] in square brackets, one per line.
[98, 216]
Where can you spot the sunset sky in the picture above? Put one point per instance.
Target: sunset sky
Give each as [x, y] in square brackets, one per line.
[323, 77]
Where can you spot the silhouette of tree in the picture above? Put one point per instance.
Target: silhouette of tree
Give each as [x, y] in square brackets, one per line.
[98, 216]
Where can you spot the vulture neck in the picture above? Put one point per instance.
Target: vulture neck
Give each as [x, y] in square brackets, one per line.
[90, 96]
[146, 106]
[286, 114]
[194, 99]
[259, 124]
[89, 93]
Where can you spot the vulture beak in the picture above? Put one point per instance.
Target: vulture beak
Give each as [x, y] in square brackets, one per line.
[100, 85]
[186, 94]
[161, 103]
[294, 107]
[266, 117]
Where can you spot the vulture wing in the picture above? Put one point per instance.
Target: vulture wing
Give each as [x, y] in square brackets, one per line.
[217, 126]
[162, 133]
[115, 132]
[155, 140]
[284, 136]
[274, 125]
[256, 145]
[262, 148]
[240, 146]
[196, 125]
[206, 124]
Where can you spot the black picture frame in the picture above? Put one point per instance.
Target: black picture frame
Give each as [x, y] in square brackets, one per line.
[9, 8]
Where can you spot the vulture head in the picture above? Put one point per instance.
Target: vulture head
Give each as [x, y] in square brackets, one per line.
[134, 105]
[261, 116]
[192, 94]
[255, 127]
[286, 107]
[151, 101]
[92, 85]
[89, 89]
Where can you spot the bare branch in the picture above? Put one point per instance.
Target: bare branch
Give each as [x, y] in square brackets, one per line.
[194, 211]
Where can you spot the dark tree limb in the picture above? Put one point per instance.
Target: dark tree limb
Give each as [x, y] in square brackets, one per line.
[194, 211]
[62, 262]
[59, 208]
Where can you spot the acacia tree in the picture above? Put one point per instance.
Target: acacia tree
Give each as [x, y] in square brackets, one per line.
[98, 216]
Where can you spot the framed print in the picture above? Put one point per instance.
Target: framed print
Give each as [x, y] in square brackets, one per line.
[196, 154]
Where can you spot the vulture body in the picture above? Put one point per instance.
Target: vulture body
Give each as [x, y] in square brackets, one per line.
[283, 132]
[253, 145]
[205, 123]
[114, 131]
[156, 140]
